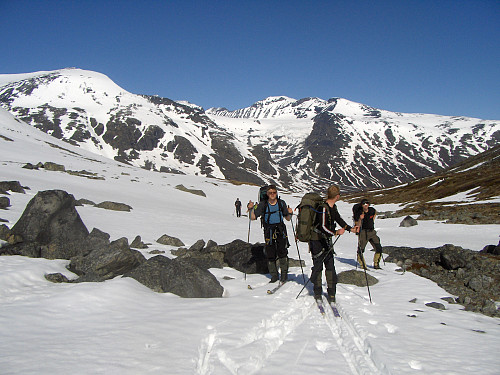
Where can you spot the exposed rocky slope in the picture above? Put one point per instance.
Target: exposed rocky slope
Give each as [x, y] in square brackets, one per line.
[298, 144]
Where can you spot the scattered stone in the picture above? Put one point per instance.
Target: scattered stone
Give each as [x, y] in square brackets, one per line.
[157, 252]
[192, 191]
[414, 300]
[13, 186]
[408, 222]
[138, 244]
[470, 275]
[169, 240]
[197, 246]
[4, 203]
[450, 300]
[357, 278]
[83, 201]
[50, 166]
[114, 206]
[57, 278]
[436, 305]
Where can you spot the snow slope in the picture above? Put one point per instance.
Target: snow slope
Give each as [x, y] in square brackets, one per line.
[122, 327]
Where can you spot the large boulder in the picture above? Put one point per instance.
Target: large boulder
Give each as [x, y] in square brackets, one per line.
[106, 262]
[169, 240]
[50, 227]
[150, 273]
[185, 279]
[452, 258]
[245, 257]
[357, 278]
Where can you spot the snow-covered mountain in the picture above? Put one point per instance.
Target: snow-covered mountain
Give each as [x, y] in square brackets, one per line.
[297, 144]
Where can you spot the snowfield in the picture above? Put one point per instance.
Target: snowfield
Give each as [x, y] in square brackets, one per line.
[122, 327]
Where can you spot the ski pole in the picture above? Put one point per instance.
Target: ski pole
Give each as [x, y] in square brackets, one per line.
[326, 254]
[248, 238]
[298, 252]
[360, 255]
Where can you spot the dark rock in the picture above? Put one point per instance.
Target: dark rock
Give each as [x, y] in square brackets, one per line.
[450, 300]
[57, 278]
[357, 278]
[150, 273]
[192, 191]
[49, 227]
[13, 186]
[475, 282]
[83, 201]
[4, 203]
[408, 222]
[436, 305]
[4, 232]
[106, 263]
[157, 252]
[114, 206]
[451, 259]
[197, 246]
[138, 244]
[169, 240]
[213, 259]
[185, 279]
[210, 244]
[245, 257]
[49, 166]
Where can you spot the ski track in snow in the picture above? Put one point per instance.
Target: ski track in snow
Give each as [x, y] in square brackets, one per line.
[247, 354]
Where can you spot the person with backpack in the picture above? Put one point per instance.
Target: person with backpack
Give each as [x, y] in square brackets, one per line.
[272, 211]
[320, 245]
[237, 204]
[364, 216]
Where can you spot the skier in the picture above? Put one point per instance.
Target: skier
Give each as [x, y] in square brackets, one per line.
[364, 216]
[273, 210]
[320, 245]
[237, 204]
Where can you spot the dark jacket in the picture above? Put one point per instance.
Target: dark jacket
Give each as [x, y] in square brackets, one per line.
[368, 222]
[325, 222]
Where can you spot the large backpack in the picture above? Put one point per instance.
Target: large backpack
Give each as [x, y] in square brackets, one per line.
[357, 209]
[309, 206]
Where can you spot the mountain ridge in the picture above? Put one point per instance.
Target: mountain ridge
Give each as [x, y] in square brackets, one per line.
[297, 144]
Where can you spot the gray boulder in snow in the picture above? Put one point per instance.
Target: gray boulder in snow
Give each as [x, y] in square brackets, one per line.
[245, 257]
[115, 206]
[4, 203]
[14, 186]
[186, 279]
[138, 244]
[169, 240]
[50, 227]
[357, 278]
[408, 222]
[106, 262]
[150, 273]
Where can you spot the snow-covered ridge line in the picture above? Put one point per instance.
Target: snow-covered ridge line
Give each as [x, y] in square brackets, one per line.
[299, 144]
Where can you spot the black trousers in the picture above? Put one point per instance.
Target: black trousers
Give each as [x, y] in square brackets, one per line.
[276, 242]
[322, 256]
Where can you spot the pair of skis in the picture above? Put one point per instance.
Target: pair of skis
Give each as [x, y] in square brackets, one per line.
[332, 305]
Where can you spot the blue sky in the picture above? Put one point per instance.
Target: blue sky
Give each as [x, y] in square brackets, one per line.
[435, 56]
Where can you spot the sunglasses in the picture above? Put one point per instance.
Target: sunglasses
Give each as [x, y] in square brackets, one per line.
[272, 192]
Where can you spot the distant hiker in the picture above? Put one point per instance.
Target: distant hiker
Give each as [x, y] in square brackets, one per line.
[273, 210]
[364, 217]
[237, 204]
[320, 245]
